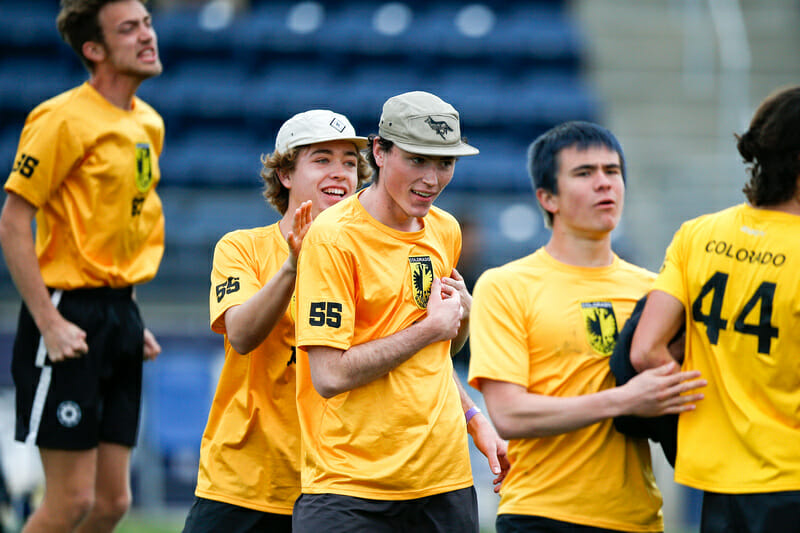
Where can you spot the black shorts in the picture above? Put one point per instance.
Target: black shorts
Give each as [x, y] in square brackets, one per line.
[76, 403]
[517, 523]
[764, 512]
[450, 512]
[209, 516]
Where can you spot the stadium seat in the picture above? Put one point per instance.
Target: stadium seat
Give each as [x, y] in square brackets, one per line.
[25, 82]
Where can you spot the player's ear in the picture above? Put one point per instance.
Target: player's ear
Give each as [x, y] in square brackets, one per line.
[93, 51]
[284, 177]
[547, 200]
[377, 152]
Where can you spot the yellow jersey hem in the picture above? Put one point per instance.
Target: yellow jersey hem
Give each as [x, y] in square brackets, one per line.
[741, 488]
[385, 495]
[584, 521]
[224, 498]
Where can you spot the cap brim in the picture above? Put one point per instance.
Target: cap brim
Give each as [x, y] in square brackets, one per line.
[458, 150]
[360, 142]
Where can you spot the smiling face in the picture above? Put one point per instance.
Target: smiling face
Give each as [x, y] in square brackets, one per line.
[591, 192]
[130, 47]
[408, 185]
[324, 173]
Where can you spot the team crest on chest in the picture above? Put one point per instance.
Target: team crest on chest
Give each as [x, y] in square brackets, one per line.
[144, 167]
[421, 279]
[601, 326]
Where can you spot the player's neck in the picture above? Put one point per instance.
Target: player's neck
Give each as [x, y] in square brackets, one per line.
[382, 207]
[582, 251]
[116, 88]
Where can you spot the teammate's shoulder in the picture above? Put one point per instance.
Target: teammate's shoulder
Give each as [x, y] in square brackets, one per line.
[146, 110]
[634, 270]
[337, 217]
[529, 266]
[58, 105]
[439, 214]
[247, 234]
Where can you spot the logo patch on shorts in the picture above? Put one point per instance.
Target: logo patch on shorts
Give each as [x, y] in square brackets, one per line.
[69, 414]
[601, 326]
[421, 279]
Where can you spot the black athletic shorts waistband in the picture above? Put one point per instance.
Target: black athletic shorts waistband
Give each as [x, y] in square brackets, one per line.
[121, 293]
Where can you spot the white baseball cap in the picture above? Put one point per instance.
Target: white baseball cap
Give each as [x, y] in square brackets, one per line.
[316, 126]
[424, 124]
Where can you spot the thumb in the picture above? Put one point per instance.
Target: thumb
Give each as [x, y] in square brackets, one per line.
[436, 288]
[494, 462]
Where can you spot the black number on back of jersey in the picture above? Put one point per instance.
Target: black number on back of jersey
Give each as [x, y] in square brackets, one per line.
[25, 165]
[226, 287]
[761, 328]
[325, 314]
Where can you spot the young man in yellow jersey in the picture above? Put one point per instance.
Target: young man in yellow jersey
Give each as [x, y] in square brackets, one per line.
[733, 277]
[381, 310]
[542, 330]
[250, 453]
[87, 169]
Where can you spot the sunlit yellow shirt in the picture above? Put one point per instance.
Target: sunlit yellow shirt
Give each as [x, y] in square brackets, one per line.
[250, 452]
[551, 327]
[401, 436]
[92, 168]
[737, 273]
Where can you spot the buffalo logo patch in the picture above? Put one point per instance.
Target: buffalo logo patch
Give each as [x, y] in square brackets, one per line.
[601, 326]
[421, 279]
[144, 167]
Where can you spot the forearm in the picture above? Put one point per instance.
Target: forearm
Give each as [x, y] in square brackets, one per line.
[335, 371]
[466, 401]
[650, 357]
[20, 255]
[661, 320]
[461, 338]
[248, 324]
[528, 415]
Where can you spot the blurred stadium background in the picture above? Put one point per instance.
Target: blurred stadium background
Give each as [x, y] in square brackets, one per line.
[674, 79]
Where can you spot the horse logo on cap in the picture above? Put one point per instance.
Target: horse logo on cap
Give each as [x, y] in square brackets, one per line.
[441, 127]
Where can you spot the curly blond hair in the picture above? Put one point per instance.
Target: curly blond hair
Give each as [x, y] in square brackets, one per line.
[274, 191]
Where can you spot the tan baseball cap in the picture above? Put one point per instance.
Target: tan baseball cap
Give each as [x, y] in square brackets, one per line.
[316, 126]
[424, 124]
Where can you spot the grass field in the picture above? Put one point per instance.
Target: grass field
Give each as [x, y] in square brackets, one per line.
[141, 522]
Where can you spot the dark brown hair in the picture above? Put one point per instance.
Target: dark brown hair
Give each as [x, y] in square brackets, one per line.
[78, 22]
[771, 148]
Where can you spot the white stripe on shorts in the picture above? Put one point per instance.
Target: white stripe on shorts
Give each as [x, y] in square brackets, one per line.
[44, 382]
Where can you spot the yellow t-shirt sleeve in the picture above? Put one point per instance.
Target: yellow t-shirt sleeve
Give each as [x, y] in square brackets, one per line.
[47, 151]
[326, 280]
[234, 278]
[498, 337]
[671, 279]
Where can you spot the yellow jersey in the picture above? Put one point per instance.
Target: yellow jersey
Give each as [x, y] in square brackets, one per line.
[91, 169]
[737, 273]
[402, 436]
[250, 451]
[551, 328]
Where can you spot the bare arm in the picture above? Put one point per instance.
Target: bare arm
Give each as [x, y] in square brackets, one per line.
[335, 371]
[520, 414]
[61, 337]
[457, 282]
[661, 319]
[486, 439]
[249, 324]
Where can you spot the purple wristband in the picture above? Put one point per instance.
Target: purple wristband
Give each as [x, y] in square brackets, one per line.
[472, 411]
